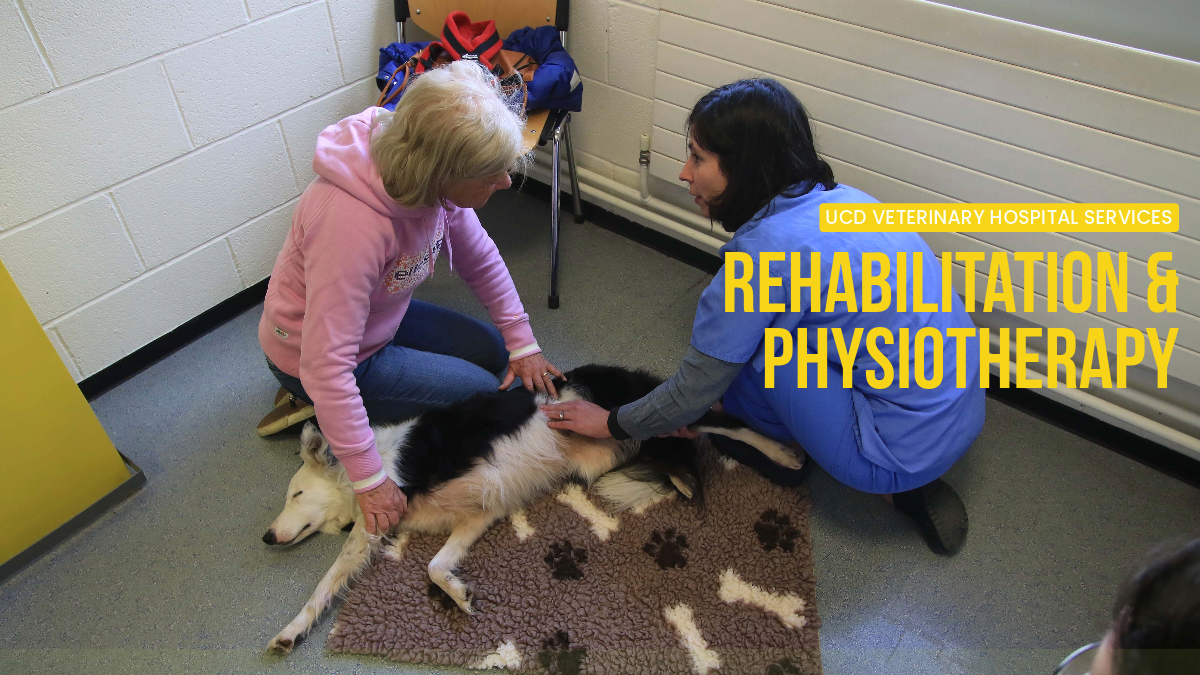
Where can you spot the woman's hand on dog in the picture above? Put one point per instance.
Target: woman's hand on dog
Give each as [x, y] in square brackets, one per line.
[382, 507]
[536, 373]
[582, 417]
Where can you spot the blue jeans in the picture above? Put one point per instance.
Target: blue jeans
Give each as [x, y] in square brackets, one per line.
[437, 357]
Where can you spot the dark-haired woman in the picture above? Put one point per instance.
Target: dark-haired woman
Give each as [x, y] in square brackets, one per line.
[752, 167]
[1156, 618]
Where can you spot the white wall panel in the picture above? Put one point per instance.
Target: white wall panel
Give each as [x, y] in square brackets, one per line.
[1020, 44]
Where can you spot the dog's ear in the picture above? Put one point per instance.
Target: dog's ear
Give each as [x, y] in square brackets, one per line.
[314, 449]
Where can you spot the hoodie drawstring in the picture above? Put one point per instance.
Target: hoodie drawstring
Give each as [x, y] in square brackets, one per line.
[445, 241]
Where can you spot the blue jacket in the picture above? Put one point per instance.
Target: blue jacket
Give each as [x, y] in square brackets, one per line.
[556, 83]
[907, 429]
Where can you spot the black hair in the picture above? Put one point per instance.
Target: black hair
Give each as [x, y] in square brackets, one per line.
[1156, 619]
[761, 136]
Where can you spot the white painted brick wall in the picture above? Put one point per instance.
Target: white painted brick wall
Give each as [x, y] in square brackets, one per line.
[77, 140]
[227, 84]
[611, 123]
[358, 22]
[153, 152]
[614, 44]
[632, 46]
[21, 67]
[301, 126]
[149, 307]
[261, 8]
[64, 261]
[173, 209]
[85, 38]
[63, 354]
[587, 39]
[256, 244]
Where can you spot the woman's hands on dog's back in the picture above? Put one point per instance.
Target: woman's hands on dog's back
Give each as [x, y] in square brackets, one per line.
[382, 507]
[536, 373]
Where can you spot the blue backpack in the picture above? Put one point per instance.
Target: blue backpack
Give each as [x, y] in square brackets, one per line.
[555, 84]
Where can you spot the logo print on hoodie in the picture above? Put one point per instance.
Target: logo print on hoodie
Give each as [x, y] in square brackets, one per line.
[412, 269]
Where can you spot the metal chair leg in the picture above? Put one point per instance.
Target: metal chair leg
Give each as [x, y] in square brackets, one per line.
[574, 172]
[554, 169]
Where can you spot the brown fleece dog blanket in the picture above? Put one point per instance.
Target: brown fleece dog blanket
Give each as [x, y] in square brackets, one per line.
[567, 588]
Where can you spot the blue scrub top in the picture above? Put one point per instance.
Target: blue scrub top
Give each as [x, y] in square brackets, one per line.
[906, 430]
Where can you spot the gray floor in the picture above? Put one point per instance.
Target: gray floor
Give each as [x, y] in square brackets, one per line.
[176, 579]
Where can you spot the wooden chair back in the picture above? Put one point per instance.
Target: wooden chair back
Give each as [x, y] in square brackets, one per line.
[509, 15]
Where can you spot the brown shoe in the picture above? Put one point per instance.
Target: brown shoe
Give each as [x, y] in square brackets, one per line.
[289, 410]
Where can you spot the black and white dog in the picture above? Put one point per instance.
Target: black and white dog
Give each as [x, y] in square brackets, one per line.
[468, 465]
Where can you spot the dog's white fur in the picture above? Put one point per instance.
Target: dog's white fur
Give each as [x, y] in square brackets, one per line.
[526, 465]
[523, 467]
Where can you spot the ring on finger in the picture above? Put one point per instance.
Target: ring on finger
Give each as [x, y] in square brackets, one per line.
[562, 415]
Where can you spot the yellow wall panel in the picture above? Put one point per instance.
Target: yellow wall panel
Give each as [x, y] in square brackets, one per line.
[57, 458]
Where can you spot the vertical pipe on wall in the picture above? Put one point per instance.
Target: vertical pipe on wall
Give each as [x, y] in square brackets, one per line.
[644, 166]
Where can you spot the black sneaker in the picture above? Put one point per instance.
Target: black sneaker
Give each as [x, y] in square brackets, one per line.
[939, 513]
[747, 454]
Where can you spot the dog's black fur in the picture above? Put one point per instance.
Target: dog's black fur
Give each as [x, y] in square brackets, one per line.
[665, 462]
[610, 386]
[469, 427]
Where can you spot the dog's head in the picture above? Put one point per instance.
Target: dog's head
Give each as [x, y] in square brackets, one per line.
[319, 497]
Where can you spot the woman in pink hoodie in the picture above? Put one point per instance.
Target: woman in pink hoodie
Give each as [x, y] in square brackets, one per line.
[339, 325]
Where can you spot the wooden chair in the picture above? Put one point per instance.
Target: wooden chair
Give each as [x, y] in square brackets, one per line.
[543, 126]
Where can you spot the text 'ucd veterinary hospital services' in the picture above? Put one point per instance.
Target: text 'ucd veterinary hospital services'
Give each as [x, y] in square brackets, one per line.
[1075, 281]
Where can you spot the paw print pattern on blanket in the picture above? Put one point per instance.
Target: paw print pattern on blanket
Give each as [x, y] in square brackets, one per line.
[667, 548]
[564, 560]
[783, 667]
[775, 530]
[558, 657]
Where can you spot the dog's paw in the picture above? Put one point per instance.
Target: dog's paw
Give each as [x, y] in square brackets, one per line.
[782, 455]
[283, 644]
[789, 461]
[450, 591]
[462, 594]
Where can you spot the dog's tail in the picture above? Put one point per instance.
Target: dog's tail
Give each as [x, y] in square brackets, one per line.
[633, 486]
[664, 466]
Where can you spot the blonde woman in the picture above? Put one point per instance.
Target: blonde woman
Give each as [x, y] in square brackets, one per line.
[339, 325]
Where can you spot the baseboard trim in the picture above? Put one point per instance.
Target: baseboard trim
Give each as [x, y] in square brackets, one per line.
[1142, 450]
[155, 351]
[86, 517]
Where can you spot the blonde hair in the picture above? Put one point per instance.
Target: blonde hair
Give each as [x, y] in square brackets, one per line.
[452, 122]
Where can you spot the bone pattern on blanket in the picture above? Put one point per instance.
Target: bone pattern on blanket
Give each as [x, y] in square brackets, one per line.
[703, 659]
[569, 602]
[787, 606]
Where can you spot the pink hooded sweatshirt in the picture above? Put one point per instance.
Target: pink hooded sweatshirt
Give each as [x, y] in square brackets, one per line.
[346, 274]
